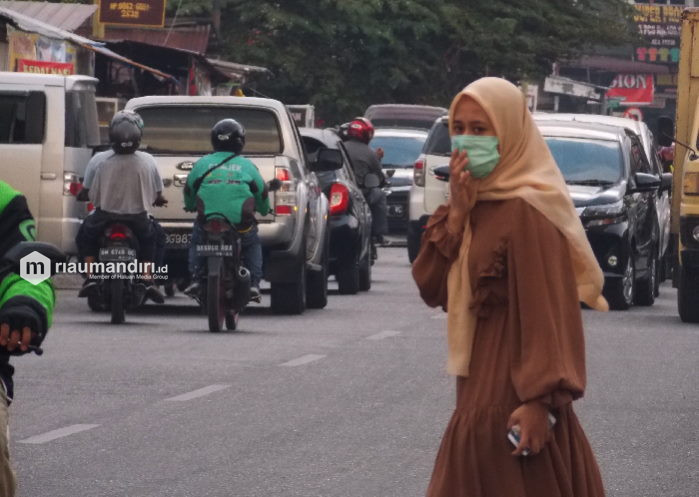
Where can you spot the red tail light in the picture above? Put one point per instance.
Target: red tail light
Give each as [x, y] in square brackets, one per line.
[339, 198]
[283, 210]
[282, 174]
[419, 172]
[90, 207]
[118, 232]
[216, 225]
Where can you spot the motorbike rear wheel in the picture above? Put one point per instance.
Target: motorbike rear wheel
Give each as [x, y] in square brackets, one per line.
[116, 288]
[215, 305]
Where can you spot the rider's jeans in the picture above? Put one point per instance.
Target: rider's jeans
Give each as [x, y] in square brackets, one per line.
[252, 253]
[376, 198]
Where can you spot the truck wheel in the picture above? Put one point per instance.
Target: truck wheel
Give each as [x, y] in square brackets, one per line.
[619, 292]
[348, 276]
[317, 281]
[365, 273]
[645, 288]
[290, 298]
[688, 295]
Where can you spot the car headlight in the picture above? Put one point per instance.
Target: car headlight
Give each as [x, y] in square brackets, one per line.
[690, 183]
[601, 215]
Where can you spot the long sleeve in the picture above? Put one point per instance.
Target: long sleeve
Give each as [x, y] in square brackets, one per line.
[548, 350]
[438, 249]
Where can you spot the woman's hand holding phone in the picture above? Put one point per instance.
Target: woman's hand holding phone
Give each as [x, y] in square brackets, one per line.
[534, 424]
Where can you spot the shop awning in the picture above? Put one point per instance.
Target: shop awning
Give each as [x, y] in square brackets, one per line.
[68, 16]
[28, 24]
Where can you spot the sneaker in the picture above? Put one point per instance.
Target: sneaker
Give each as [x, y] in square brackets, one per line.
[255, 295]
[153, 293]
[192, 290]
[89, 287]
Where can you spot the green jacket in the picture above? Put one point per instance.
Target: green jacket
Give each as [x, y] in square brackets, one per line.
[16, 225]
[235, 190]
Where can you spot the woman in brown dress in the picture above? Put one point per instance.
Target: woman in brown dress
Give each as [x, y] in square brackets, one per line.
[508, 259]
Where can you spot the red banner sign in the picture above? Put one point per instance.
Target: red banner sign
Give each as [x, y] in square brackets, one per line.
[44, 67]
[632, 89]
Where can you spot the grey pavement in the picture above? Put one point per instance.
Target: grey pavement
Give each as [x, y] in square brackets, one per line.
[347, 401]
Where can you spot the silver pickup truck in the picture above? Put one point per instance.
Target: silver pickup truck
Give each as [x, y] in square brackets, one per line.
[294, 234]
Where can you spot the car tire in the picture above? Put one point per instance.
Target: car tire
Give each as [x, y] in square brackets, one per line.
[645, 288]
[619, 292]
[688, 295]
[347, 276]
[317, 281]
[365, 272]
[290, 298]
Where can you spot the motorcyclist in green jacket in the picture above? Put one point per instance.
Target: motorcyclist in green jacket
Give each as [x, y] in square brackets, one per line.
[227, 183]
[25, 313]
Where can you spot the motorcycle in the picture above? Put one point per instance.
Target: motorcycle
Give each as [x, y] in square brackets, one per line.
[224, 289]
[117, 290]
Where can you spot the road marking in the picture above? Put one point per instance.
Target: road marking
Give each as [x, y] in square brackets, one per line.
[54, 434]
[305, 359]
[195, 394]
[383, 334]
[441, 315]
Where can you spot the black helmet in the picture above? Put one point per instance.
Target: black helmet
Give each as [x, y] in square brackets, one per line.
[228, 135]
[125, 132]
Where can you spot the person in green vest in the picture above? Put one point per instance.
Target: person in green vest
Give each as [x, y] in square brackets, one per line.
[227, 183]
[25, 313]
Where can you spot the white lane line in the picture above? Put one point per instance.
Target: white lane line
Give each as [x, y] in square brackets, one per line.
[441, 315]
[305, 359]
[54, 434]
[195, 394]
[383, 334]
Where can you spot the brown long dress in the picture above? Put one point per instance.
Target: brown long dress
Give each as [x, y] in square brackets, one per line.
[528, 345]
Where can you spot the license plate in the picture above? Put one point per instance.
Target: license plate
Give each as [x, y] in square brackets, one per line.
[222, 250]
[178, 239]
[117, 254]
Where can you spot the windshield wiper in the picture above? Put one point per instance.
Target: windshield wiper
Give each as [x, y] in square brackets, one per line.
[589, 182]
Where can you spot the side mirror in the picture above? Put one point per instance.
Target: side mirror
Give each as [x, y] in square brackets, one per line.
[328, 159]
[646, 183]
[441, 173]
[666, 182]
[666, 131]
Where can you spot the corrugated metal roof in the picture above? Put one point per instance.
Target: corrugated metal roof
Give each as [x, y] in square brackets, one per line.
[67, 16]
[193, 39]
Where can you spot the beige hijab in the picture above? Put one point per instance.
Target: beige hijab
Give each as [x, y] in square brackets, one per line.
[528, 171]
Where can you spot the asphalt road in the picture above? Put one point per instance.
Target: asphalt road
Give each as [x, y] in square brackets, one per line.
[349, 401]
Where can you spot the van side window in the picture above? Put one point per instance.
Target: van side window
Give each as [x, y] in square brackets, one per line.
[22, 117]
[82, 125]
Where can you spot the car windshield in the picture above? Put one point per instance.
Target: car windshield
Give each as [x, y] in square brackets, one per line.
[586, 161]
[187, 129]
[399, 151]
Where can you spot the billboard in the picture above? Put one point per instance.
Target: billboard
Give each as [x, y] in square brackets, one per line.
[149, 13]
[632, 89]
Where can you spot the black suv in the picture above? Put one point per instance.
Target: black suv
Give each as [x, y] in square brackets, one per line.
[613, 187]
[349, 220]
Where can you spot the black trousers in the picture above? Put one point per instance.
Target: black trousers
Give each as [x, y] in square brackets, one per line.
[92, 229]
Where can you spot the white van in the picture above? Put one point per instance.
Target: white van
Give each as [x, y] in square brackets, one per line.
[48, 128]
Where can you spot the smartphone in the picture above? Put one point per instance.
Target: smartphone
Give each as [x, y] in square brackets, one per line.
[514, 434]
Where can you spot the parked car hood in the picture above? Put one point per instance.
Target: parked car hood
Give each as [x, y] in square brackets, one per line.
[584, 195]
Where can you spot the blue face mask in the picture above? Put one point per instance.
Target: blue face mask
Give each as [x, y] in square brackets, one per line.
[482, 151]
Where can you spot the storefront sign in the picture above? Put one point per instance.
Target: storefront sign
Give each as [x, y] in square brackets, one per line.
[134, 13]
[659, 25]
[632, 89]
[565, 86]
[43, 67]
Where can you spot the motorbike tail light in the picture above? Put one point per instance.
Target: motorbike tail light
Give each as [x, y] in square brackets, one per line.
[217, 225]
[118, 232]
[71, 184]
[285, 196]
[339, 198]
[419, 172]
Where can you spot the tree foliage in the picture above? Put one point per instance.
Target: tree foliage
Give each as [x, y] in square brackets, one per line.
[344, 55]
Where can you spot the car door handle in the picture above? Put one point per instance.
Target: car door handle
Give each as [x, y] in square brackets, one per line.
[180, 179]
